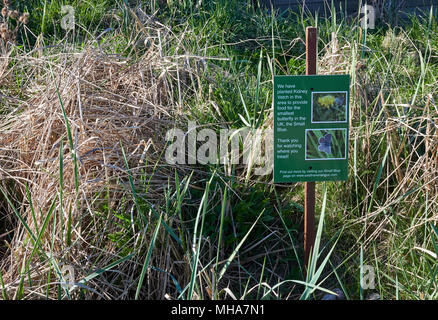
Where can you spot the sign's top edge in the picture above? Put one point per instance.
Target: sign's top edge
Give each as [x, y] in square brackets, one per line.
[313, 75]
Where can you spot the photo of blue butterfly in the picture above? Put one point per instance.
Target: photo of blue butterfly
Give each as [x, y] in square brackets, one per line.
[325, 144]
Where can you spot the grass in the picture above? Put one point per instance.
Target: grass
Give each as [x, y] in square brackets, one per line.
[84, 183]
[329, 107]
[326, 144]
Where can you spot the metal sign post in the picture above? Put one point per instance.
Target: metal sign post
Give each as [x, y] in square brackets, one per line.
[309, 187]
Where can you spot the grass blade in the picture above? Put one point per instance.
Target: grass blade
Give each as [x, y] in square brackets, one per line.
[224, 203]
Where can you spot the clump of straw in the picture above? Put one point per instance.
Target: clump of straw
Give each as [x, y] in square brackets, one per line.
[89, 118]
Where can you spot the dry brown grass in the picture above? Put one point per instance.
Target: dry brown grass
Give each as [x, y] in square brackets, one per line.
[110, 104]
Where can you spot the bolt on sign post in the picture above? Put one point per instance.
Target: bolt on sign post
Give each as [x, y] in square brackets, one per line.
[311, 127]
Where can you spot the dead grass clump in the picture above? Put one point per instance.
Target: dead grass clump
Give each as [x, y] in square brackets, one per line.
[113, 108]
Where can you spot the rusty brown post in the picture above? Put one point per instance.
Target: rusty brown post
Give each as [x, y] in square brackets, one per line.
[309, 187]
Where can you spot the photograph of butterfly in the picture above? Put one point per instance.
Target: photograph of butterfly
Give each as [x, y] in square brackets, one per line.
[329, 106]
[326, 144]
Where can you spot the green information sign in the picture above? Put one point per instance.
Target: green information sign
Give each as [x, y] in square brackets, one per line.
[311, 128]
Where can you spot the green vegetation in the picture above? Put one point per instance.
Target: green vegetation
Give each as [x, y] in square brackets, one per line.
[85, 185]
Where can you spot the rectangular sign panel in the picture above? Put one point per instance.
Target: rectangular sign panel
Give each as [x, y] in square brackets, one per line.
[311, 118]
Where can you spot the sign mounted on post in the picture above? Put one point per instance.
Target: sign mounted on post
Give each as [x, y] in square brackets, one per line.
[311, 118]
